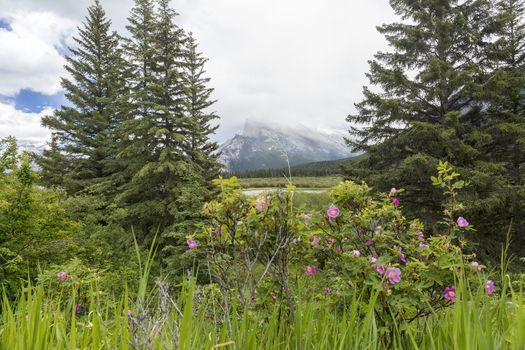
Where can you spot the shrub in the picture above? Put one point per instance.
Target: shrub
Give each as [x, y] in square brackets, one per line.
[360, 247]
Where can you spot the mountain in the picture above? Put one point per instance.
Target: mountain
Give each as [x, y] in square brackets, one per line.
[29, 146]
[264, 146]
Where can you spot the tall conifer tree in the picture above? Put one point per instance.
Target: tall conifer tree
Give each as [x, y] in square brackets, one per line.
[426, 100]
[201, 150]
[163, 190]
[83, 132]
[505, 116]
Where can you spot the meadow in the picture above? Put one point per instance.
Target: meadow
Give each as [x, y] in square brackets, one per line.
[44, 318]
[287, 270]
[321, 182]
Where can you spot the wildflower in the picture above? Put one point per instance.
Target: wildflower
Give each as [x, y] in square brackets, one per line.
[475, 264]
[380, 269]
[315, 240]
[413, 226]
[447, 245]
[217, 232]
[393, 191]
[328, 292]
[369, 242]
[130, 313]
[355, 253]
[423, 245]
[192, 244]
[307, 218]
[490, 287]
[332, 212]
[403, 259]
[462, 222]
[338, 248]
[373, 260]
[310, 270]
[261, 203]
[62, 276]
[393, 274]
[450, 293]
[396, 202]
[329, 241]
[253, 297]
[78, 308]
[421, 235]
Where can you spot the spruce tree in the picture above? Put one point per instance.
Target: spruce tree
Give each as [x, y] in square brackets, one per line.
[163, 189]
[83, 132]
[426, 100]
[505, 115]
[201, 150]
[54, 165]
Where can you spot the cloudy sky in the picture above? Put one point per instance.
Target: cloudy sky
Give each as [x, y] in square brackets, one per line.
[292, 61]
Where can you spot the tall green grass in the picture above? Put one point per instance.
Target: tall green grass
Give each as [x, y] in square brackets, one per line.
[43, 318]
[39, 321]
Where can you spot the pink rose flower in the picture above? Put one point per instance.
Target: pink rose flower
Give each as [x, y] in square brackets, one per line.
[380, 269]
[333, 212]
[192, 244]
[310, 270]
[450, 293]
[462, 222]
[62, 276]
[393, 274]
[490, 287]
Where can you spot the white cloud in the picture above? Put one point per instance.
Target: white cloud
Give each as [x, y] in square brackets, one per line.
[299, 61]
[30, 52]
[24, 126]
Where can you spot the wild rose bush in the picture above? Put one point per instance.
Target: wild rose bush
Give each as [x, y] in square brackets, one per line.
[248, 245]
[360, 247]
[371, 249]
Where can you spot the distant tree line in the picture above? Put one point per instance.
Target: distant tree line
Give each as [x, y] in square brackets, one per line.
[316, 169]
[131, 148]
[451, 87]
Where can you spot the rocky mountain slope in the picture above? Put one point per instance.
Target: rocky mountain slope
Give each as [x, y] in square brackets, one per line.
[263, 146]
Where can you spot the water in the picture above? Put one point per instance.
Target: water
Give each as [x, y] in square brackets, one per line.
[258, 191]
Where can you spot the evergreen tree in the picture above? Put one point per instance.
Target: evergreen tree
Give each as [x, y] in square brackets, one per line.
[54, 165]
[164, 188]
[427, 100]
[505, 116]
[83, 133]
[200, 149]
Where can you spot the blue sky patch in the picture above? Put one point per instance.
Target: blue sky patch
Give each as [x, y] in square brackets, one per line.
[30, 101]
[4, 24]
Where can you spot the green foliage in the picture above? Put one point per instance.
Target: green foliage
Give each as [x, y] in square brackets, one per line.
[255, 244]
[449, 89]
[34, 228]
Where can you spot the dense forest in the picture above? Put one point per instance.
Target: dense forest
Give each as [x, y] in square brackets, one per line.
[127, 233]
